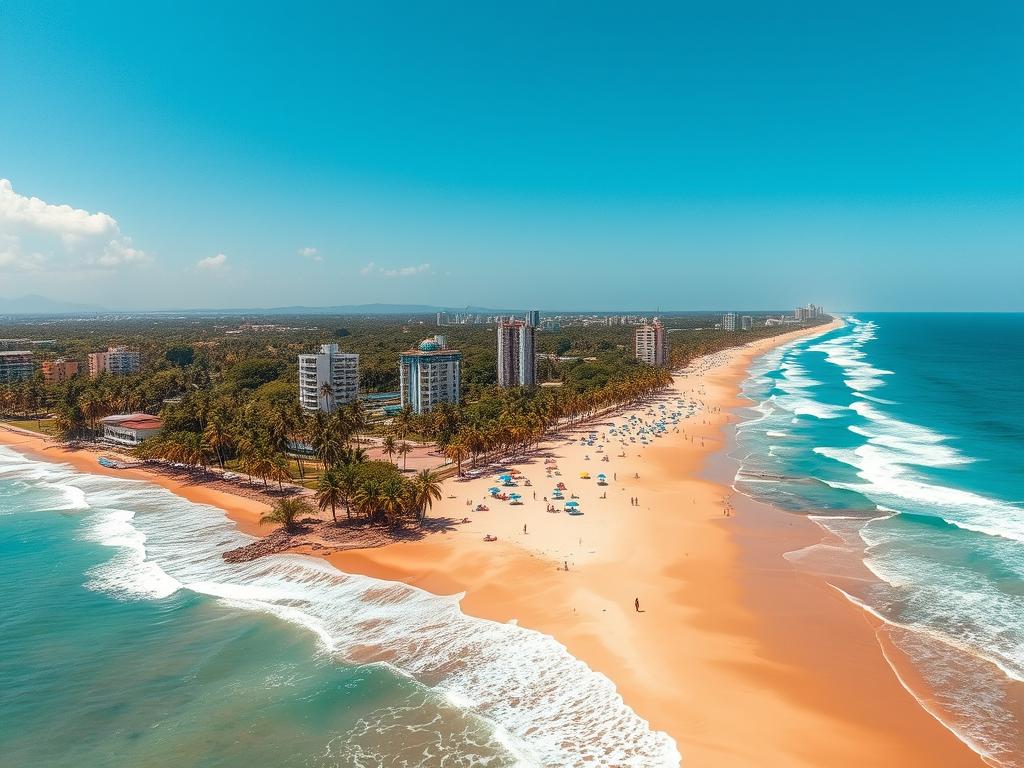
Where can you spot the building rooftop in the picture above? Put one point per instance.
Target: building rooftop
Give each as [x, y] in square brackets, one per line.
[133, 421]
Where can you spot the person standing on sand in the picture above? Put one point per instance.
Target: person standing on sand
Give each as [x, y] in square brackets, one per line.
[524, 528]
[636, 604]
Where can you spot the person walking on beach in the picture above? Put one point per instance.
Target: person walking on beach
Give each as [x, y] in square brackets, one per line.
[524, 528]
[636, 604]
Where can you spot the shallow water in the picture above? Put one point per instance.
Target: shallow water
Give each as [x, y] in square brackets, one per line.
[901, 435]
[125, 639]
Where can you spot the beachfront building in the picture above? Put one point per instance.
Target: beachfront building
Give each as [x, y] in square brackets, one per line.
[117, 361]
[130, 428]
[747, 323]
[516, 362]
[729, 321]
[328, 378]
[533, 318]
[430, 374]
[15, 366]
[651, 343]
[58, 370]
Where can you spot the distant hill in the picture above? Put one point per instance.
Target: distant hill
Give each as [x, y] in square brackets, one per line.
[40, 305]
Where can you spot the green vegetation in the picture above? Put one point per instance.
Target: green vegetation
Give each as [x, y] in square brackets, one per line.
[227, 395]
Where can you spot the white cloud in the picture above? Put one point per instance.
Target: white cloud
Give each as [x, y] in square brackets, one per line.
[310, 253]
[60, 219]
[216, 263]
[373, 269]
[118, 252]
[13, 257]
[38, 235]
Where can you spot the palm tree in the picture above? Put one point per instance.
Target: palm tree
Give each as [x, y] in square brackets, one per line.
[456, 451]
[367, 498]
[327, 393]
[218, 435]
[331, 491]
[278, 470]
[285, 512]
[404, 449]
[348, 481]
[357, 417]
[426, 490]
[388, 446]
[349, 456]
[394, 499]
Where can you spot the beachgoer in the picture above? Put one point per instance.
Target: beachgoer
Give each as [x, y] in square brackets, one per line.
[524, 527]
[636, 604]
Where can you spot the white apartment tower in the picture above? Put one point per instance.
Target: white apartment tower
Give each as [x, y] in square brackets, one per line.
[430, 375]
[652, 343]
[516, 360]
[339, 370]
[729, 321]
[117, 361]
[747, 323]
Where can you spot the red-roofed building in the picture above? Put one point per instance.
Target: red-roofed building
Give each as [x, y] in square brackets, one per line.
[130, 428]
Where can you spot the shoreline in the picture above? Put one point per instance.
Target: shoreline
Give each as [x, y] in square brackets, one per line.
[739, 657]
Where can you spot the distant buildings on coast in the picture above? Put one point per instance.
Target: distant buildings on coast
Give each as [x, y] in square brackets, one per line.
[650, 342]
[328, 379]
[516, 355]
[429, 375]
[19, 365]
[15, 365]
[116, 361]
[58, 370]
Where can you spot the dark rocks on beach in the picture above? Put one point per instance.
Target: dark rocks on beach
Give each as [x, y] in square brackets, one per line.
[317, 536]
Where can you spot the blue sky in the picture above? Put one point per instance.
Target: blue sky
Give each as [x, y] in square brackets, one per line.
[677, 155]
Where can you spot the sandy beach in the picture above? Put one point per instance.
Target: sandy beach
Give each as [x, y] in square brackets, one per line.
[741, 659]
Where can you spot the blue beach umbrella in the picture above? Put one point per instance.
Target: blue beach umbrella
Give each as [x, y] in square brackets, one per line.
[572, 503]
[494, 490]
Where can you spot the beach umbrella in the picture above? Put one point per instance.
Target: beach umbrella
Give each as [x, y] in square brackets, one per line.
[514, 496]
[494, 490]
[602, 475]
[572, 503]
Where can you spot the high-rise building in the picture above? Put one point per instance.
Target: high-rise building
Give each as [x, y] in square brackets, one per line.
[516, 361]
[533, 318]
[747, 323]
[651, 343]
[15, 366]
[729, 321]
[430, 375]
[59, 370]
[442, 318]
[117, 361]
[339, 371]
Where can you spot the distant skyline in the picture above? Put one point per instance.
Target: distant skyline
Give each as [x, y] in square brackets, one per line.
[866, 157]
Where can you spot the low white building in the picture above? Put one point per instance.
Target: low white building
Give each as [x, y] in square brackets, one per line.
[130, 428]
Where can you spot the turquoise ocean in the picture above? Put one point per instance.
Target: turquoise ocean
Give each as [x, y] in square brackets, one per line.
[902, 436]
[125, 639]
